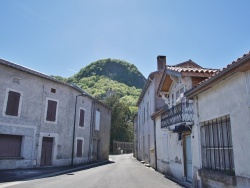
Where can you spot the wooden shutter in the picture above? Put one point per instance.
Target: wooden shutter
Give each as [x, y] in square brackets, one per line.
[79, 148]
[81, 121]
[13, 103]
[51, 110]
[10, 145]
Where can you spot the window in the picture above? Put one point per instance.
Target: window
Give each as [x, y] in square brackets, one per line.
[172, 99]
[217, 147]
[10, 145]
[182, 90]
[81, 118]
[51, 113]
[79, 148]
[13, 103]
[148, 110]
[97, 120]
[177, 95]
[53, 90]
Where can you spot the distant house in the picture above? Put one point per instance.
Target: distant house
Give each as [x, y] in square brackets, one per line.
[220, 135]
[46, 122]
[147, 104]
[174, 121]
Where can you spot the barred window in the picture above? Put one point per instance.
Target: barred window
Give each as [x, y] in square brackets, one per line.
[217, 147]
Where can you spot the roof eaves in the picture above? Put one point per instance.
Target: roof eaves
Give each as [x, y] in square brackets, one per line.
[217, 75]
[149, 80]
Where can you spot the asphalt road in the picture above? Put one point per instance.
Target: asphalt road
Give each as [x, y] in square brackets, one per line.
[124, 172]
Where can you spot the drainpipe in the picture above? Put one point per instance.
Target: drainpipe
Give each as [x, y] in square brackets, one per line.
[91, 128]
[74, 128]
[155, 145]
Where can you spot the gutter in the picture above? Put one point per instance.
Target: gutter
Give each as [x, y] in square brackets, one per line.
[192, 92]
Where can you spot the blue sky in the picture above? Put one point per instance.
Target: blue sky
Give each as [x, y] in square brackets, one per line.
[57, 37]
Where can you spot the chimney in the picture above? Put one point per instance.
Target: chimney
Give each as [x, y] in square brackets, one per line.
[161, 62]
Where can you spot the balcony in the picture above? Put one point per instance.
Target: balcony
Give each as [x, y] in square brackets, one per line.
[180, 113]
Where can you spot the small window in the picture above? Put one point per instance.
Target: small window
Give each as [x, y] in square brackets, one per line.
[53, 90]
[148, 110]
[79, 148]
[51, 110]
[172, 99]
[12, 107]
[182, 90]
[81, 118]
[10, 145]
[177, 95]
[97, 120]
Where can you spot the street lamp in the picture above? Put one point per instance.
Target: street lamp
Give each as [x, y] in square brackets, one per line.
[73, 143]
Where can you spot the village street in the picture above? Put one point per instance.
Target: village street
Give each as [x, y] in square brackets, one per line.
[125, 171]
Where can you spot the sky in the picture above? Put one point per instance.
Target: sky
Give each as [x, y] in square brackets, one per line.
[59, 37]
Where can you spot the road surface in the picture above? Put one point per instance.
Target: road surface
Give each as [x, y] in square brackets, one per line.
[124, 172]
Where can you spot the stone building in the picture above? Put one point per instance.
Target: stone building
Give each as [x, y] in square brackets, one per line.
[46, 122]
[147, 104]
[221, 130]
[174, 121]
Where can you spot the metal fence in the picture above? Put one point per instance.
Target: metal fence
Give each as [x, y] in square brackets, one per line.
[122, 147]
[182, 112]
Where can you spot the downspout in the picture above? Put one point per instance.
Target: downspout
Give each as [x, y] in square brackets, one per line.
[91, 129]
[74, 130]
[155, 145]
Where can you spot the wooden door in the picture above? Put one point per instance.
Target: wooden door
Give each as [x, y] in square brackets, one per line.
[46, 156]
[188, 158]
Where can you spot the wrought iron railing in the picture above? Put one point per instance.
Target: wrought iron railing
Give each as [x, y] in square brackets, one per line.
[182, 112]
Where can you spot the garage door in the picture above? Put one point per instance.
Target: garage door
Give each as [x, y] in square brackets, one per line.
[10, 145]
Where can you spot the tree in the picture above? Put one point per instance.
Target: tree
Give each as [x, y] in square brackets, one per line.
[121, 125]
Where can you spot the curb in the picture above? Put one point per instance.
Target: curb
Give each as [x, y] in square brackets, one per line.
[2, 185]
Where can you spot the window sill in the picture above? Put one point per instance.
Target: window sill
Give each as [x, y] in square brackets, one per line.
[11, 158]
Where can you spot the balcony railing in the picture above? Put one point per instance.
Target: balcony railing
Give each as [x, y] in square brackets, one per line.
[180, 113]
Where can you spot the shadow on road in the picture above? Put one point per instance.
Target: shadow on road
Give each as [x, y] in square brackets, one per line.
[39, 173]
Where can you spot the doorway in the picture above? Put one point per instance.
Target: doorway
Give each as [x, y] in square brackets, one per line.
[46, 155]
[188, 158]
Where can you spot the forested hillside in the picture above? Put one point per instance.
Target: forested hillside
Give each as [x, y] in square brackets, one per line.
[116, 83]
[114, 69]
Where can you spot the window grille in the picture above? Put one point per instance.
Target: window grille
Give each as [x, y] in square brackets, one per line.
[217, 147]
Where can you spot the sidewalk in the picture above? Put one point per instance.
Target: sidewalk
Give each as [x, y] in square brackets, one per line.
[36, 173]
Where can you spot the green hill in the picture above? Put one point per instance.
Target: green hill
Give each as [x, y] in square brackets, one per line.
[113, 69]
[123, 78]
[118, 84]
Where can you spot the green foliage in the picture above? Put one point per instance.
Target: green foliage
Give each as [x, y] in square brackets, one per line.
[114, 69]
[126, 83]
[121, 125]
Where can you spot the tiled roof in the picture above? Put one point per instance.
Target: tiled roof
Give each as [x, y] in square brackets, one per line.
[219, 73]
[191, 69]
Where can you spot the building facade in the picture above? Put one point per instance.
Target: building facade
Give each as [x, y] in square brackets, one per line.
[147, 104]
[45, 122]
[174, 121]
[221, 127]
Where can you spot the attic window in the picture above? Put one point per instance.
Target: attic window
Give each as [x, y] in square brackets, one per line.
[16, 80]
[53, 90]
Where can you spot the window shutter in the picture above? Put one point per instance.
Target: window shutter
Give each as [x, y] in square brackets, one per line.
[13, 103]
[10, 145]
[51, 110]
[79, 148]
[81, 121]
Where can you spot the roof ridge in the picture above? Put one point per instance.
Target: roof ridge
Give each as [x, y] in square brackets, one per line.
[219, 72]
